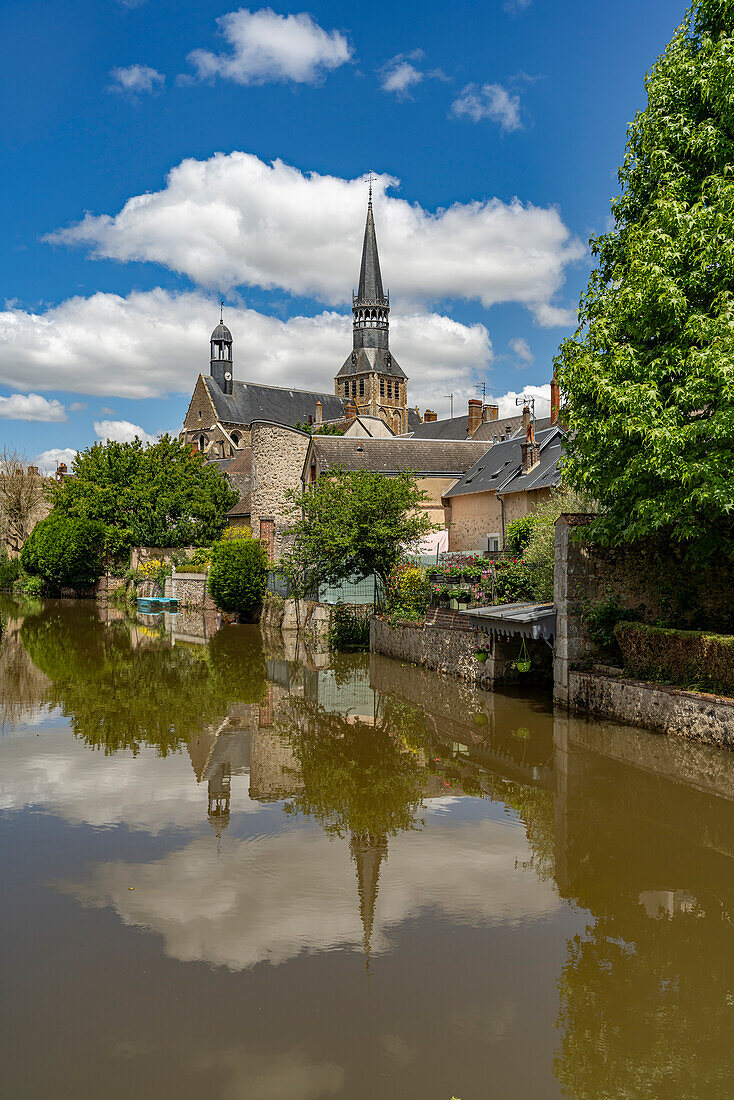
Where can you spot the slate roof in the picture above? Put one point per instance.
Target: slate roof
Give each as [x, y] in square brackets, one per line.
[250, 401]
[370, 277]
[500, 468]
[239, 476]
[364, 360]
[390, 456]
[452, 428]
[457, 427]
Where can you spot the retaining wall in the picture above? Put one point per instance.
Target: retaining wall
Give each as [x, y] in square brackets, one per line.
[448, 649]
[190, 591]
[689, 714]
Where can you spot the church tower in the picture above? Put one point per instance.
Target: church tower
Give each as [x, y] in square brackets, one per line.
[220, 364]
[371, 377]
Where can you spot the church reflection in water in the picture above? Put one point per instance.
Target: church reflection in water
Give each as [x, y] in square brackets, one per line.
[632, 831]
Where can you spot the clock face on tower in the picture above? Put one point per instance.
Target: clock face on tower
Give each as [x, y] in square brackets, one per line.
[228, 375]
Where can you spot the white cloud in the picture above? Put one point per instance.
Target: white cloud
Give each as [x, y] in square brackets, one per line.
[31, 406]
[136, 79]
[508, 401]
[521, 349]
[77, 406]
[234, 220]
[491, 101]
[400, 74]
[267, 47]
[53, 350]
[48, 461]
[273, 897]
[121, 431]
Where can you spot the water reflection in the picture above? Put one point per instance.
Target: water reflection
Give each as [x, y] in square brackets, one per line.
[540, 872]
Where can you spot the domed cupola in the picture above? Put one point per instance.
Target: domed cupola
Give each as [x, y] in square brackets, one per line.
[221, 357]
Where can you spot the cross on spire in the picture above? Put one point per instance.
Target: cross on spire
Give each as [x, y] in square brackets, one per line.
[371, 179]
[221, 311]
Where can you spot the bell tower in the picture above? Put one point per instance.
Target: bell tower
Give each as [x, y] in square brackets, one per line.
[221, 366]
[371, 377]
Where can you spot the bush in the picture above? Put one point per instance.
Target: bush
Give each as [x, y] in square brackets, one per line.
[688, 658]
[601, 620]
[349, 627]
[10, 570]
[65, 551]
[519, 533]
[241, 532]
[515, 581]
[408, 592]
[238, 575]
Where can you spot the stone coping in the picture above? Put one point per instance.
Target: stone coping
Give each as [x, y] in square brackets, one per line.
[668, 689]
[190, 576]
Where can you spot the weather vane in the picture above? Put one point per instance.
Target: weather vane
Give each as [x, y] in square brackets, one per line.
[372, 179]
[221, 311]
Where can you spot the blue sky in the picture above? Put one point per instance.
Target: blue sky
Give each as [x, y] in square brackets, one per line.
[495, 129]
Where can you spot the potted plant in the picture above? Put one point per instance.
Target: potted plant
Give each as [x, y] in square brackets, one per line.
[463, 599]
[481, 655]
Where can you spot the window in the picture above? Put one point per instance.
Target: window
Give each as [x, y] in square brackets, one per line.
[202, 442]
[361, 387]
[397, 390]
[389, 388]
[354, 387]
[382, 387]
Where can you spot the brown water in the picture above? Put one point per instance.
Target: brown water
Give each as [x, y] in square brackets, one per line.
[230, 871]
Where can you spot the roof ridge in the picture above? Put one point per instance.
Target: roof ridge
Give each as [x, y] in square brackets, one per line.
[284, 389]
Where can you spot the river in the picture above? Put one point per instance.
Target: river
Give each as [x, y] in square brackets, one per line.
[232, 869]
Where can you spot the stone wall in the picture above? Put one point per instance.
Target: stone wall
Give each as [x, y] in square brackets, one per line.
[190, 591]
[649, 578]
[689, 714]
[278, 454]
[446, 649]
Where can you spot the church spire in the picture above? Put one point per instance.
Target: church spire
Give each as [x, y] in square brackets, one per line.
[368, 853]
[370, 279]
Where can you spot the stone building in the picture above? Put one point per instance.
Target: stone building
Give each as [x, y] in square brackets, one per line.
[371, 382]
[509, 481]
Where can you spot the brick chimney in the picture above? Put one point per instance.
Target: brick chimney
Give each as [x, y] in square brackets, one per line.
[430, 416]
[530, 449]
[33, 470]
[475, 414]
[319, 412]
[555, 400]
[490, 412]
[526, 421]
[61, 470]
[351, 411]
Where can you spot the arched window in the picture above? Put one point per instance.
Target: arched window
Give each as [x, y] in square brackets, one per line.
[389, 388]
[202, 442]
[236, 438]
[361, 387]
[382, 387]
[354, 387]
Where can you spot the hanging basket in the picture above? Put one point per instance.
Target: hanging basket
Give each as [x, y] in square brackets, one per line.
[522, 664]
[481, 655]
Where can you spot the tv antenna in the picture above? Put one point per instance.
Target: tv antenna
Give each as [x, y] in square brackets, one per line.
[451, 399]
[527, 401]
[482, 388]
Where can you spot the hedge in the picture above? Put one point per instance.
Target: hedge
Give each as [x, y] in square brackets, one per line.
[237, 575]
[687, 658]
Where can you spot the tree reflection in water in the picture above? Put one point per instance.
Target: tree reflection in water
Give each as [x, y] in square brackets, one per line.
[122, 685]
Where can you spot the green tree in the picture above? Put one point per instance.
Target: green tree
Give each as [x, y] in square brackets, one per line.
[64, 551]
[238, 574]
[155, 495]
[356, 523]
[649, 376]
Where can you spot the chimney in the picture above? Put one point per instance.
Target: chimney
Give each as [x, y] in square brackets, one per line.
[555, 400]
[33, 470]
[351, 412]
[430, 417]
[475, 414]
[490, 412]
[526, 421]
[319, 412]
[530, 449]
[61, 470]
